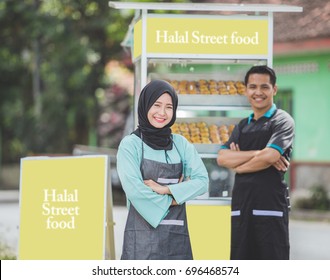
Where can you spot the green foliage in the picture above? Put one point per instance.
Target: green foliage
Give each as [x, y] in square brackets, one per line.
[5, 253]
[318, 200]
[53, 54]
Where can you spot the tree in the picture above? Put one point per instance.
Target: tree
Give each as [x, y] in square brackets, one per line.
[53, 56]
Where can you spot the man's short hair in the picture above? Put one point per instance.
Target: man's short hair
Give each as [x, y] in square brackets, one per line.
[261, 69]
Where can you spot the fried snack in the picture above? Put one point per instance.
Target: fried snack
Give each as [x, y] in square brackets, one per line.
[208, 87]
[201, 133]
[230, 128]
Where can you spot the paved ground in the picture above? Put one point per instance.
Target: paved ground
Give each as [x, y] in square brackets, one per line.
[309, 239]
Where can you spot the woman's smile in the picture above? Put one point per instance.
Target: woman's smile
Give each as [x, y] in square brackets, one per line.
[161, 112]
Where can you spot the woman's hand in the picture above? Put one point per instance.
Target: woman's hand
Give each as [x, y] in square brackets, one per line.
[156, 187]
[159, 188]
[174, 203]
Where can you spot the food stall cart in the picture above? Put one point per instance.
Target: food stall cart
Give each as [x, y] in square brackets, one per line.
[204, 51]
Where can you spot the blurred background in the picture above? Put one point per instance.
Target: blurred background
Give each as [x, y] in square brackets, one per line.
[66, 87]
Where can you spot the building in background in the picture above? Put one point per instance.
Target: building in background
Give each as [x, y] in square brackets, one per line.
[302, 62]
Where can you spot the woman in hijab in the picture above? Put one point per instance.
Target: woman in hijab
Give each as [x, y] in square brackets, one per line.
[159, 172]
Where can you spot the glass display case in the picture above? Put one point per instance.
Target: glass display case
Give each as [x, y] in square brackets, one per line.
[211, 102]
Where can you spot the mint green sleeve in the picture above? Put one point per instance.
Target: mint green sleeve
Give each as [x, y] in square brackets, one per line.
[194, 168]
[152, 207]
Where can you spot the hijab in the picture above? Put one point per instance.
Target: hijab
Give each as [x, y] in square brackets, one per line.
[156, 138]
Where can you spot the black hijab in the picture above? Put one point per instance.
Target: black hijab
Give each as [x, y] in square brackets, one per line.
[156, 138]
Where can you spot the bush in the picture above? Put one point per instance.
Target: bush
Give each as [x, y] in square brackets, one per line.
[318, 200]
[5, 253]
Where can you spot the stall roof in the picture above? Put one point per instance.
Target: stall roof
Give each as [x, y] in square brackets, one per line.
[204, 7]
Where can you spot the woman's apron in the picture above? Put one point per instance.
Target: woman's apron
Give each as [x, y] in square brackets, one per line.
[259, 207]
[170, 240]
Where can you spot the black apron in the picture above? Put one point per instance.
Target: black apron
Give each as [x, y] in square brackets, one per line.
[170, 240]
[259, 208]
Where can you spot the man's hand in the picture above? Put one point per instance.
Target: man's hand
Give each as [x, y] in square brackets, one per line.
[282, 164]
[234, 147]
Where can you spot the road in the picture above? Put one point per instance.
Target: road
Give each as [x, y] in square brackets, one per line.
[309, 240]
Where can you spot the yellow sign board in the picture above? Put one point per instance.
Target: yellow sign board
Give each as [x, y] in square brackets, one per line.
[206, 35]
[63, 208]
[209, 228]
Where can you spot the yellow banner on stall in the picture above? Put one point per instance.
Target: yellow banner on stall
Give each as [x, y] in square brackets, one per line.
[206, 35]
[62, 208]
[215, 221]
